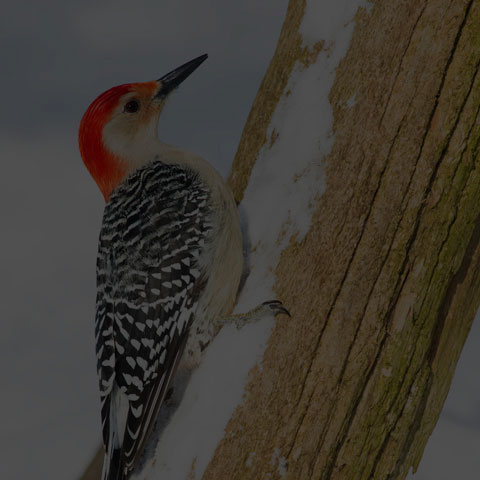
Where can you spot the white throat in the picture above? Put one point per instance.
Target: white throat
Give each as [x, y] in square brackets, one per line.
[135, 146]
[139, 146]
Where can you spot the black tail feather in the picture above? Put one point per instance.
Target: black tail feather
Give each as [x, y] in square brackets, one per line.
[114, 470]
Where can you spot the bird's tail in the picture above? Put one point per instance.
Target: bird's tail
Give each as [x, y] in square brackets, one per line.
[112, 465]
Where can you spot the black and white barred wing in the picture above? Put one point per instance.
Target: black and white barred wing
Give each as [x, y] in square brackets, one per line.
[149, 281]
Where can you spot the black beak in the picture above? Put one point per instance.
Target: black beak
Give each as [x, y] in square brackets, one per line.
[173, 79]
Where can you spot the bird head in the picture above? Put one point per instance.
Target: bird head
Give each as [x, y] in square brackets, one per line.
[119, 129]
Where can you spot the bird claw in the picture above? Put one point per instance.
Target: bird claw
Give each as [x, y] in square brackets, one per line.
[242, 319]
[277, 307]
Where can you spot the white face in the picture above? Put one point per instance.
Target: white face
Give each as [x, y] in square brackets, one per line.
[131, 132]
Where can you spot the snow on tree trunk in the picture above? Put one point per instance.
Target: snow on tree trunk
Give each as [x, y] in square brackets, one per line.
[358, 184]
[385, 284]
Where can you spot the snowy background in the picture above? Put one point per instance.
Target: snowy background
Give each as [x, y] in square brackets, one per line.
[56, 57]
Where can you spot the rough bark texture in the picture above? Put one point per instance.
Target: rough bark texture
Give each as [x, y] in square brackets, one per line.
[94, 469]
[385, 285]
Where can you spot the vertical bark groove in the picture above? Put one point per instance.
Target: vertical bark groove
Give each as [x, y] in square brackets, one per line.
[357, 371]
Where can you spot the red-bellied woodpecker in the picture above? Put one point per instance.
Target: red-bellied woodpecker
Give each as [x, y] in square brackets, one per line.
[169, 260]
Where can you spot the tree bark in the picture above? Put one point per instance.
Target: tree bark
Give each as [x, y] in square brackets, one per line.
[384, 287]
[94, 469]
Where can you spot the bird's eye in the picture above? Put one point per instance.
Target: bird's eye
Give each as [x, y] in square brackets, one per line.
[132, 106]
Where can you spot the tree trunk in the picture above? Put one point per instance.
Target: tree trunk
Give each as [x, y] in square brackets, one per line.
[94, 469]
[384, 285]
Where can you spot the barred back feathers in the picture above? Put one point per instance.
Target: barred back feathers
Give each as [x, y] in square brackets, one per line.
[149, 280]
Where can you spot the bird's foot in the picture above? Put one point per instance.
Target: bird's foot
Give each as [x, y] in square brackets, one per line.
[272, 307]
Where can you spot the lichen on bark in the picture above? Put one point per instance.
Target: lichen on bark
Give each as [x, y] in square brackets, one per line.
[385, 285]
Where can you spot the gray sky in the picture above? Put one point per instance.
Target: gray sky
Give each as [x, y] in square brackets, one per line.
[56, 57]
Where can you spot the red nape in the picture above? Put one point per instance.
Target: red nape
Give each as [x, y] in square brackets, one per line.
[106, 169]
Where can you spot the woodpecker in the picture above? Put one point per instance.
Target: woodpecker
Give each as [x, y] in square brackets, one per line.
[169, 260]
